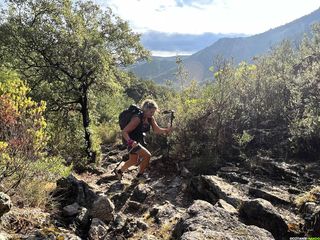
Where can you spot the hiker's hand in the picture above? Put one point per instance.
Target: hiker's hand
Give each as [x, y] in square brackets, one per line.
[131, 143]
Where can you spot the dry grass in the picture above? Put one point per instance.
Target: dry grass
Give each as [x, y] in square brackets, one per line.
[163, 231]
[34, 194]
[25, 220]
[310, 196]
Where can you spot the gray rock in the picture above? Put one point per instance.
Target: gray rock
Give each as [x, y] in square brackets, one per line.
[261, 213]
[226, 206]
[119, 199]
[82, 218]
[140, 193]
[229, 169]
[142, 225]
[213, 188]
[129, 228]
[39, 234]
[162, 213]
[149, 237]
[4, 236]
[107, 179]
[185, 173]
[113, 159]
[103, 209]
[5, 203]
[133, 207]
[113, 152]
[116, 187]
[271, 194]
[313, 223]
[279, 170]
[70, 190]
[176, 182]
[71, 210]
[119, 221]
[205, 221]
[308, 208]
[98, 230]
[233, 177]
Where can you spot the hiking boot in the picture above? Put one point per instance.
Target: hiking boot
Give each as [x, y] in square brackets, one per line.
[118, 173]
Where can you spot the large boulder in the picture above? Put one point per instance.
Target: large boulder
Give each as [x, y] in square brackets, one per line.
[213, 188]
[261, 213]
[70, 190]
[205, 221]
[272, 194]
[103, 209]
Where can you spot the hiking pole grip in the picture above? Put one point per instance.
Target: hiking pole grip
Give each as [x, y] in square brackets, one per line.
[171, 115]
[171, 118]
[171, 121]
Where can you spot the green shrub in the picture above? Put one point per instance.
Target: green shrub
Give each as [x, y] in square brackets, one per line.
[23, 140]
[107, 132]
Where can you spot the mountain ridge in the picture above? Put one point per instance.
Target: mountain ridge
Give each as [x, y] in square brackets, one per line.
[238, 48]
[180, 42]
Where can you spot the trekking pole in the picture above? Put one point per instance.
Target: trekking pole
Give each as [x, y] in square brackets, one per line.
[114, 170]
[171, 115]
[171, 121]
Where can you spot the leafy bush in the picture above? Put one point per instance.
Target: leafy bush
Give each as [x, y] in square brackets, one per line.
[271, 106]
[23, 138]
[107, 133]
[42, 176]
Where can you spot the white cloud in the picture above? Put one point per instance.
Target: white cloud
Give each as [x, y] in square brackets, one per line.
[170, 53]
[218, 16]
[193, 3]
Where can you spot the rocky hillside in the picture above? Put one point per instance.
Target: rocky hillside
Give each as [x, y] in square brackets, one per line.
[260, 198]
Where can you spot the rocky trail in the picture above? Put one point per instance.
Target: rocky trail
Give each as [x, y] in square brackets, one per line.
[257, 199]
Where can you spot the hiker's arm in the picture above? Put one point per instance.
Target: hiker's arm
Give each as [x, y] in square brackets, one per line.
[133, 124]
[157, 129]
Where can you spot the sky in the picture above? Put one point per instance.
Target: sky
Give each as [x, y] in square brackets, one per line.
[197, 17]
[213, 16]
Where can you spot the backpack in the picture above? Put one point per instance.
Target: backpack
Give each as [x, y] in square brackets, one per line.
[126, 115]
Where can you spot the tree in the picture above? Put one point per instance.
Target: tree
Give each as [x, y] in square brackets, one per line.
[305, 99]
[67, 51]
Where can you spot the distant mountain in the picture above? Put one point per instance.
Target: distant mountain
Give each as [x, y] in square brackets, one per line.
[157, 68]
[177, 42]
[239, 48]
[163, 68]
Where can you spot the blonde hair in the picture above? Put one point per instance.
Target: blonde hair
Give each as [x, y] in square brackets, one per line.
[148, 104]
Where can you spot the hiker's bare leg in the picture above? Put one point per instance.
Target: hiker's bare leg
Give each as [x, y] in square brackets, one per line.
[133, 159]
[145, 155]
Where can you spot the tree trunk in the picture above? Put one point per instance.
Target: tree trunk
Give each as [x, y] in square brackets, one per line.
[86, 122]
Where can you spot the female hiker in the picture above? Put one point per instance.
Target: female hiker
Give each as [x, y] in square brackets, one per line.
[133, 135]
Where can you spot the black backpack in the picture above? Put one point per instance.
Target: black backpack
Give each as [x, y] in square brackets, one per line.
[126, 115]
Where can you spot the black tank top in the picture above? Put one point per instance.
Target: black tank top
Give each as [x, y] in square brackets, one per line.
[138, 133]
